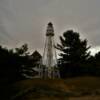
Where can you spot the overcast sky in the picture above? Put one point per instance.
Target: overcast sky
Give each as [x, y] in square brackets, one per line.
[25, 21]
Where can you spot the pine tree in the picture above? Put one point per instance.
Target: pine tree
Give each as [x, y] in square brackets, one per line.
[74, 52]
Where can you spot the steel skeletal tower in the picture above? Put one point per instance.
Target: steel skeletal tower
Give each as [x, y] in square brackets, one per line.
[49, 67]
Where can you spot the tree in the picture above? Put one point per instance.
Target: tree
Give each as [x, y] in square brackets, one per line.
[32, 67]
[74, 53]
[23, 50]
[11, 63]
[96, 67]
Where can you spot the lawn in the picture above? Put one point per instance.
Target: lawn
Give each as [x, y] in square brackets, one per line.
[80, 88]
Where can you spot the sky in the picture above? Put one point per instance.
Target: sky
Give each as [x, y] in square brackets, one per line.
[25, 21]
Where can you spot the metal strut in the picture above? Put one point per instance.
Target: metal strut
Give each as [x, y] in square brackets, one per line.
[49, 68]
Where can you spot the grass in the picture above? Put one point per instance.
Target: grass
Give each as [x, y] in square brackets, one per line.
[80, 88]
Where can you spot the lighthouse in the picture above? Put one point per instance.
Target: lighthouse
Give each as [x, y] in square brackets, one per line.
[49, 68]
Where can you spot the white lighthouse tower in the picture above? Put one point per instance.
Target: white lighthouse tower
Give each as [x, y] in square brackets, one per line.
[49, 68]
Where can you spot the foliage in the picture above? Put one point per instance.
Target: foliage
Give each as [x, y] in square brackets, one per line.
[23, 50]
[74, 52]
[12, 62]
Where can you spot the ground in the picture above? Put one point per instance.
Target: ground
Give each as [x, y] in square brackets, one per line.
[80, 88]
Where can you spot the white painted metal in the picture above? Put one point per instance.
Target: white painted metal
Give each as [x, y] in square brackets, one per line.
[49, 67]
